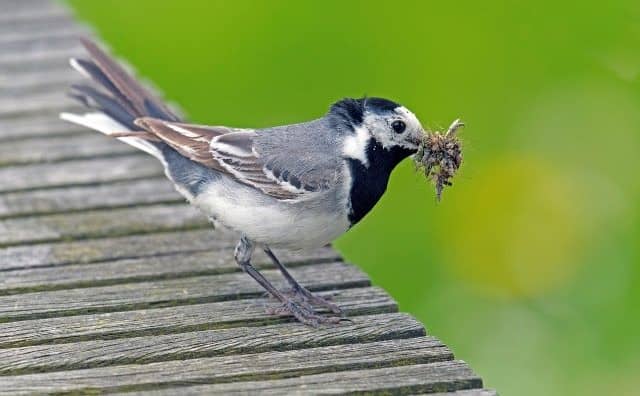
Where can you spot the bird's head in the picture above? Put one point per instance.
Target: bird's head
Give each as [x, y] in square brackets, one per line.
[390, 124]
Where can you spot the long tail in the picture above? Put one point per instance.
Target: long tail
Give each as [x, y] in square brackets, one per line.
[117, 101]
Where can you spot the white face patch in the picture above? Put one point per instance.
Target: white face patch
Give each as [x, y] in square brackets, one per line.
[355, 146]
[409, 118]
[380, 127]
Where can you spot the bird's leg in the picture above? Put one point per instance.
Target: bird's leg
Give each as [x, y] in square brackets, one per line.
[304, 314]
[300, 291]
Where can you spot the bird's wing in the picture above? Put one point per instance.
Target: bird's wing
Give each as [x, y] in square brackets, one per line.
[280, 173]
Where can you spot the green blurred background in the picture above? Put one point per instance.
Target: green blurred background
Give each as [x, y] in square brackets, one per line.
[528, 268]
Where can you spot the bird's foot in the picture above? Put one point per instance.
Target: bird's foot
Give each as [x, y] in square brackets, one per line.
[304, 313]
[302, 295]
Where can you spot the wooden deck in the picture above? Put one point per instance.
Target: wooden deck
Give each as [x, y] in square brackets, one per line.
[109, 282]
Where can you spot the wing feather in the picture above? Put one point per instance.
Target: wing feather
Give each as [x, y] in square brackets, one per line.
[231, 151]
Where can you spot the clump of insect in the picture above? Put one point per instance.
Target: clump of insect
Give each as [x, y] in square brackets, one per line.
[440, 156]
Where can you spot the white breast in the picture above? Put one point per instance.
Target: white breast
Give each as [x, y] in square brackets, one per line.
[295, 225]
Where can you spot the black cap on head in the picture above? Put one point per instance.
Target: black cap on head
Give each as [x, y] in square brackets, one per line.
[352, 110]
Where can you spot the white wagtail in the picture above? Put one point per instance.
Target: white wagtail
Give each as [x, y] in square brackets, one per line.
[293, 186]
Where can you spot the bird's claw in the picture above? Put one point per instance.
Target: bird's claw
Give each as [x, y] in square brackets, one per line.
[304, 296]
[304, 313]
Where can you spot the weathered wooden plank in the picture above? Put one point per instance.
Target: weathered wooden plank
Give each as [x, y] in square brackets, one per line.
[100, 223]
[403, 380]
[55, 41]
[117, 248]
[206, 343]
[86, 146]
[284, 364]
[78, 172]
[37, 126]
[141, 269]
[22, 85]
[26, 23]
[16, 9]
[145, 322]
[31, 93]
[39, 60]
[468, 392]
[41, 93]
[43, 33]
[65, 199]
[49, 103]
[130, 296]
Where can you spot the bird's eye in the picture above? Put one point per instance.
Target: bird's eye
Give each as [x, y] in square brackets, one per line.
[398, 126]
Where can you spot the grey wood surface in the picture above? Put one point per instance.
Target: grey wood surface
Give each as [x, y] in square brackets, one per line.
[175, 319]
[31, 21]
[45, 103]
[159, 267]
[467, 392]
[56, 41]
[78, 172]
[225, 341]
[195, 289]
[434, 377]
[28, 8]
[86, 146]
[21, 34]
[229, 368]
[99, 223]
[87, 251]
[15, 130]
[110, 282]
[79, 198]
[46, 60]
[26, 84]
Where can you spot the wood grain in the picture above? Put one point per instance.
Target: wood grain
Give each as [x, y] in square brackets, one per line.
[114, 248]
[26, 23]
[25, 34]
[55, 41]
[45, 103]
[182, 291]
[78, 172]
[232, 341]
[22, 9]
[100, 224]
[24, 85]
[215, 262]
[16, 129]
[178, 319]
[403, 380]
[57, 148]
[254, 366]
[39, 60]
[468, 392]
[72, 199]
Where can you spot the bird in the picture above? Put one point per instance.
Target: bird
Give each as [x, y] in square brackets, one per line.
[296, 186]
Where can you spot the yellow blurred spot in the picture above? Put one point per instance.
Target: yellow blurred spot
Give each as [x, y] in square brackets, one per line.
[514, 230]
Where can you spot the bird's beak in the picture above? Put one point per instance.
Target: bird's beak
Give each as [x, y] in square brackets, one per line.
[417, 138]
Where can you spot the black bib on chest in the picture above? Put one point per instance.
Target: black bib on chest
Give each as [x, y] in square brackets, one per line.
[369, 183]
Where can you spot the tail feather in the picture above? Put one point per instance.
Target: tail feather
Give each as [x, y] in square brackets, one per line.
[93, 72]
[116, 80]
[103, 123]
[116, 100]
[94, 99]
